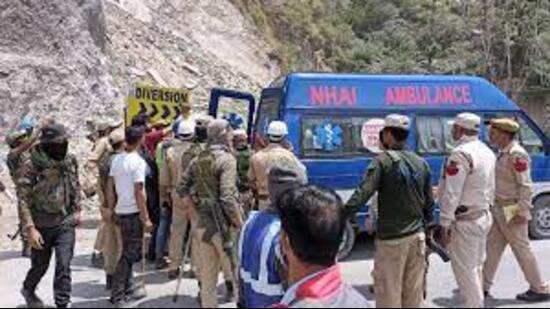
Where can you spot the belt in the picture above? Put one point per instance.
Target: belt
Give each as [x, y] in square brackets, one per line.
[505, 202]
[263, 197]
[472, 216]
[128, 216]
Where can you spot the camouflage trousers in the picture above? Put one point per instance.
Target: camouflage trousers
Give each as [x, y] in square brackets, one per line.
[60, 240]
[131, 230]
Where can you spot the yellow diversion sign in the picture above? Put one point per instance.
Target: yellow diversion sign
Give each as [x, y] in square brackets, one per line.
[157, 103]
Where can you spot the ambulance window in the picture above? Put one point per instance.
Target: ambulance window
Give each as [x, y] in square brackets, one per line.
[268, 112]
[339, 137]
[529, 138]
[434, 135]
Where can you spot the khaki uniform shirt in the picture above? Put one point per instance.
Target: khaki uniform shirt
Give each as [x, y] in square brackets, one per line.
[514, 185]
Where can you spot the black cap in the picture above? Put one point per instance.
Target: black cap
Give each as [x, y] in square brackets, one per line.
[54, 133]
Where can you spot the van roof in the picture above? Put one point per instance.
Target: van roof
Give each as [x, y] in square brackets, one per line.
[393, 92]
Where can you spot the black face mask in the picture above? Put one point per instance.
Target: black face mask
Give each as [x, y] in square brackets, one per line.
[202, 134]
[56, 151]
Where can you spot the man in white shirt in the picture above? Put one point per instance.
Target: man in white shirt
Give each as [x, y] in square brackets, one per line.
[127, 199]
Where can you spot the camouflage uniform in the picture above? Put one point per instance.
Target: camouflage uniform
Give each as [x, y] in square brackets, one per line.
[14, 161]
[211, 182]
[260, 165]
[49, 192]
[243, 165]
[176, 162]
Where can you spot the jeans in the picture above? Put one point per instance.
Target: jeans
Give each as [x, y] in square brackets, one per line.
[163, 233]
[60, 239]
[132, 237]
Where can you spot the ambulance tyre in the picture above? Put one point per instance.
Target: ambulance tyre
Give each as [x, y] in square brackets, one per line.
[348, 242]
[539, 227]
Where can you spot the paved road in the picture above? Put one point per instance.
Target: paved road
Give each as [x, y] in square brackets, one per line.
[88, 282]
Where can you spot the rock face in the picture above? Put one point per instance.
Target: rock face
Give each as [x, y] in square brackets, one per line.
[75, 60]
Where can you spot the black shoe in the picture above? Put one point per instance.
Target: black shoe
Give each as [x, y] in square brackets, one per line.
[229, 291]
[161, 264]
[97, 260]
[109, 283]
[533, 297]
[487, 294]
[62, 306]
[174, 274]
[32, 300]
[120, 303]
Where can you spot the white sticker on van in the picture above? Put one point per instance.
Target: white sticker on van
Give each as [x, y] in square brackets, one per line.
[370, 134]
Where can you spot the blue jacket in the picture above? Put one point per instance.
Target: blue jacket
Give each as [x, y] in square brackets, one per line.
[259, 254]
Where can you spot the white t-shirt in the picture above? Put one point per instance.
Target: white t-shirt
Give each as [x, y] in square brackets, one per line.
[127, 169]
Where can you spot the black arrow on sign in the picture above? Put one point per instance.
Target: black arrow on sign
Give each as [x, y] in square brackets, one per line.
[142, 108]
[155, 111]
[166, 111]
[177, 110]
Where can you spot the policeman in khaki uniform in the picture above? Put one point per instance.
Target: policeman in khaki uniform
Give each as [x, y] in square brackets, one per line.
[405, 211]
[211, 182]
[111, 244]
[178, 157]
[512, 212]
[102, 149]
[466, 192]
[262, 162]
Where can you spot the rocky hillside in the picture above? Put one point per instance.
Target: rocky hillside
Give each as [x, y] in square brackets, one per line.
[75, 60]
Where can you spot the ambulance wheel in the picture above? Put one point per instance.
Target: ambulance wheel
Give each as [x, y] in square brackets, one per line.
[539, 227]
[348, 242]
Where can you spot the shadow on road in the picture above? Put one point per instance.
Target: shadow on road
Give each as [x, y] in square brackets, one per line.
[363, 250]
[10, 255]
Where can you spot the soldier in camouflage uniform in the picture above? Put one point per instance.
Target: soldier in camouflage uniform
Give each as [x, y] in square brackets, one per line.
[20, 142]
[243, 153]
[211, 183]
[178, 157]
[49, 197]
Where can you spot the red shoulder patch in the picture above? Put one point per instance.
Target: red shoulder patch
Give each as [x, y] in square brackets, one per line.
[521, 165]
[452, 168]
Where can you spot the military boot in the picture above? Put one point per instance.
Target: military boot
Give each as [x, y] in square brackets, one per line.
[32, 300]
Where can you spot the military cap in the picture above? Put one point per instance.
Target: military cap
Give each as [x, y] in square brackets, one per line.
[398, 122]
[505, 125]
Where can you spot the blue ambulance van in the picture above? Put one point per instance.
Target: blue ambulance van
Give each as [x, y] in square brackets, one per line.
[334, 121]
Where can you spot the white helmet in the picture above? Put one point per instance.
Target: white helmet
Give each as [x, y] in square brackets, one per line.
[186, 128]
[277, 130]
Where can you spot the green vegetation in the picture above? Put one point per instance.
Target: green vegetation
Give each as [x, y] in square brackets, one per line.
[506, 41]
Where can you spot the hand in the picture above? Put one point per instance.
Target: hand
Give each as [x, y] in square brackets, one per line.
[148, 226]
[107, 214]
[519, 219]
[35, 239]
[369, 225]
[78, 219]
